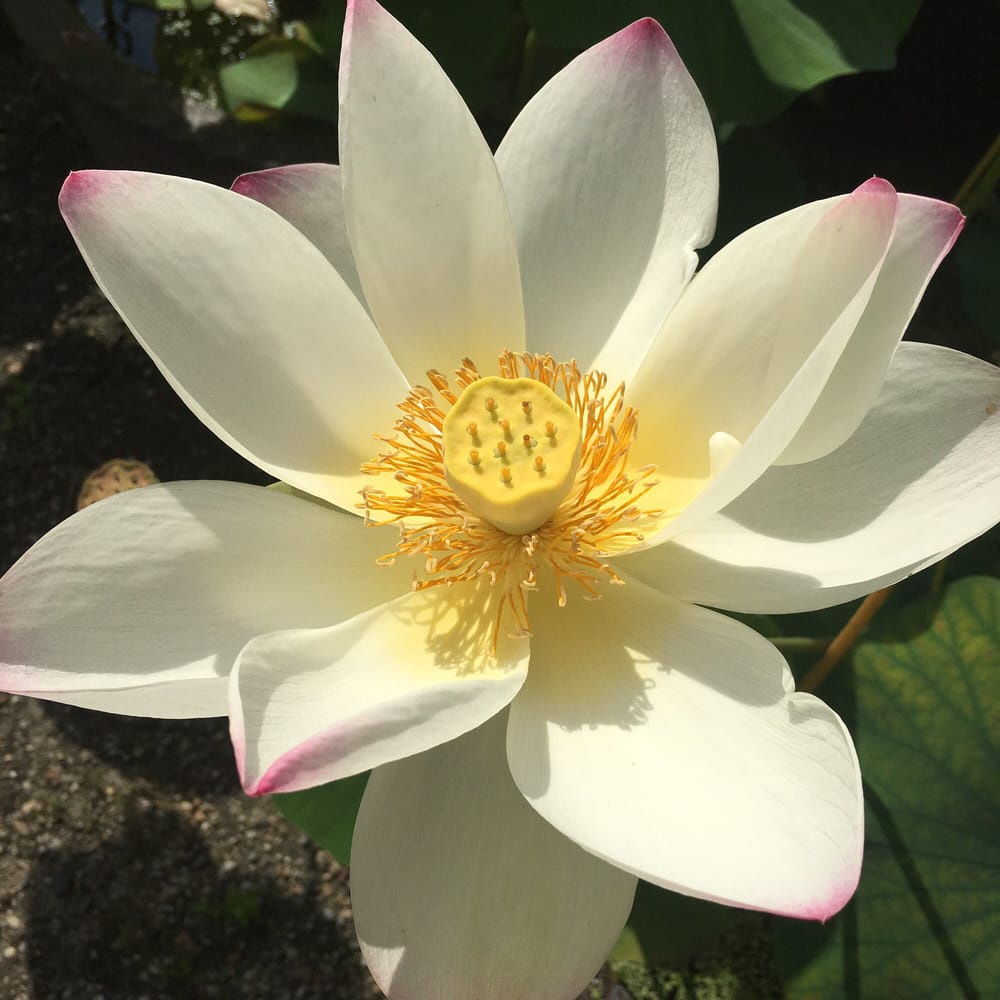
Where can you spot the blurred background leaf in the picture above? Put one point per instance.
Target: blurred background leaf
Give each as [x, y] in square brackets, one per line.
[470, 40]
[668, 928]
[977, 256]
[281, 74]
[750, 58]
[175, 4]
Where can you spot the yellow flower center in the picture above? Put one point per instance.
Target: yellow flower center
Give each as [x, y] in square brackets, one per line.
[511, 451]
[513, 478]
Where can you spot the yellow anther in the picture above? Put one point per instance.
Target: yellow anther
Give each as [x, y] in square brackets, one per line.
[541, 517]
[473, 429]
[436, 379]
[514, 495]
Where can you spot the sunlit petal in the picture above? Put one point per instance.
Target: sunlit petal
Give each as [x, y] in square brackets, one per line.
[426, 215]
[612, 178]
[460, 889]
[673, 746]
[310, 706]
[215, 284]
[141, 603]
[751, 344]
[925, 231]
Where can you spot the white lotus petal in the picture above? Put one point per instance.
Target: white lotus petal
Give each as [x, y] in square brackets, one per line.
[310, 197]
[667, 740]
[925, 231]
[141, 603]
[311, 706]
[916, 480]
[252, 327]
[612, 177]
[750, 346]
[460, 890]
[426, 214]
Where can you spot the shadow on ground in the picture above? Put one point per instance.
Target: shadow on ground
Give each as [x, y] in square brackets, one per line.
[192, 757]
[127, 920]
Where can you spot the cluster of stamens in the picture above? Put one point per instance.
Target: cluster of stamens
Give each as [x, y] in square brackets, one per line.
[592, 507]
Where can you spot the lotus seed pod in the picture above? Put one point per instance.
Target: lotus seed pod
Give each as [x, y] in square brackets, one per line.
[114, 476]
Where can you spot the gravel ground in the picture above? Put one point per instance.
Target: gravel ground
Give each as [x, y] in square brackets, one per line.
[132, 866]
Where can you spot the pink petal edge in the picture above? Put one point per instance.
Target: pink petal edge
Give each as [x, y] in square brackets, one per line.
[80, 185]
[261, 184]
[258, 183]
[638, 40]
[950, 221]
[874, 187]
[822, 909]
[281, 775]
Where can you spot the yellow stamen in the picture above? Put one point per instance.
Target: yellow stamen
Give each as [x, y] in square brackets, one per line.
[601, 510]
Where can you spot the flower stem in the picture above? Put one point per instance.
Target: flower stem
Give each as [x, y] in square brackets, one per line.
[845, 640]
[976, 188]
[800, 643]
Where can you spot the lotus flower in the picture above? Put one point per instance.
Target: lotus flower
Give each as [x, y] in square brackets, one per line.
[493, 587]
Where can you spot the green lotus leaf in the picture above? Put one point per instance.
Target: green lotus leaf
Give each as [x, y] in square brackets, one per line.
[750, 58]
[326, 813]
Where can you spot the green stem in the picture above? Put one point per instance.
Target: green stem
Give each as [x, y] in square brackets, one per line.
[801, 643]
[845, 639]
[982, 179]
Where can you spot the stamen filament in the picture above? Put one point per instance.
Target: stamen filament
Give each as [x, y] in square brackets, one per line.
[603, 512]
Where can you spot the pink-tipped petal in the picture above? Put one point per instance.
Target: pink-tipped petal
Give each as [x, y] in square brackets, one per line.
[751, 344]
[311, 706]
[925, 231]
[426, 215]
[612, 178]
[460, 889]
[310, 197]
[669, 741]
[141, 603]
[244, 317]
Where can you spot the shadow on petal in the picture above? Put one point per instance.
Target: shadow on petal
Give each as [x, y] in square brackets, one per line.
[600, 664]
[901, 429]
